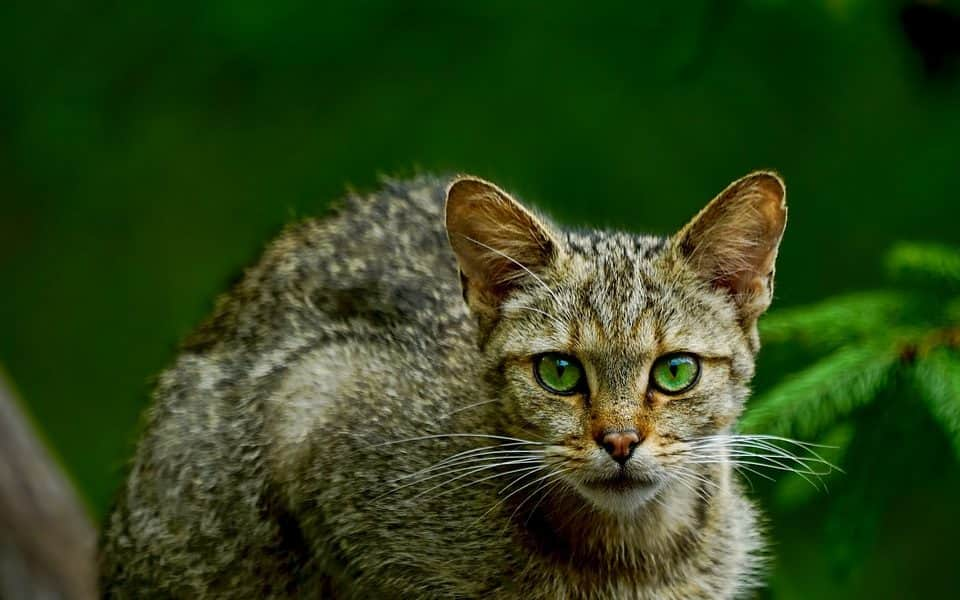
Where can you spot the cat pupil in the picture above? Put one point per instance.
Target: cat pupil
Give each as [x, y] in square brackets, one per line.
[674, 368]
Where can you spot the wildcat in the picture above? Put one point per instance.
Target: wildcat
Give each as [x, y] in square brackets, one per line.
[437, 393]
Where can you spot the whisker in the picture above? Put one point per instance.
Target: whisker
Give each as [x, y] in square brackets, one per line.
[771, 450]
[762, 436]
[745, 476]
[511, 484]
[739, 466]
[533, 494]
[681, 479]
[802, 460]
[438, 436]
[768, 441]
[526, 471]
[803, 466]
[486, 450]
[482, 448]
[473, 458]
[546, 493]
[697, 476]
[772, 458]
[766, 445]
[468, 407]
[532, 469]
[804, 445]
[771, 463]
[492, 452]
[469, 471]
[520, 489]
[735, 450]
[781, 467]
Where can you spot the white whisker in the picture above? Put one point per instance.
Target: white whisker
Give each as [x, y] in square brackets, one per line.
[546, 493]
[469, 471]
[520, 489]
[468, 407]
[697, 476]
[683, 479]
[754, 471]
[772, 459]
[481, 449]
[474, 458]
[748, 453]
[459, 435]
[742, 442]
[545, 483]
[477, 481]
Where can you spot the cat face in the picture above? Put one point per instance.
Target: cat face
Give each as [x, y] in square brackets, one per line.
[610, 350]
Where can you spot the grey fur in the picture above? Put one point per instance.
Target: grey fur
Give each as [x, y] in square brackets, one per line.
[272, 463]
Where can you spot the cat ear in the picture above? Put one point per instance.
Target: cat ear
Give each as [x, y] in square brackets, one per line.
[498, 243]
[733, 241]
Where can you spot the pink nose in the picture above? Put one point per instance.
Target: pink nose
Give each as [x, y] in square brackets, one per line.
[619, 444]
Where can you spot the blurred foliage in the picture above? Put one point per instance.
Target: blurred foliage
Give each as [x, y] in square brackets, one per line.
[899, 349]
[911, 333]
[148, 150]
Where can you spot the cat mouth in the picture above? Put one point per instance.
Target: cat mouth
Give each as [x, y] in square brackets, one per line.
[621, 483]
[621, 493]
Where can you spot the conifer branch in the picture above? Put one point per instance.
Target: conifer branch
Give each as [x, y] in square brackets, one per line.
[836, 321]
[937, 378]
[918, 262]
[817, 397]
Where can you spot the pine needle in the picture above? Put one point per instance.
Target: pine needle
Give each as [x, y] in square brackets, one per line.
[925, 262]
[815, 398]
[836, 321]
[937, 377]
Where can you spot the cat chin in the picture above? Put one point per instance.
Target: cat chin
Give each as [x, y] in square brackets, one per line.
[621, 500]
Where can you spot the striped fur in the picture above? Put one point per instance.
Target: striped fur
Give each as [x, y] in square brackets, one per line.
[287, 450]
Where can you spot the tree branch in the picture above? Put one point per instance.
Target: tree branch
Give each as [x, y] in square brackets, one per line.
[47, 543]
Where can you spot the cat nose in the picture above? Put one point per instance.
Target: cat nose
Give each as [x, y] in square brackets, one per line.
[619, 444]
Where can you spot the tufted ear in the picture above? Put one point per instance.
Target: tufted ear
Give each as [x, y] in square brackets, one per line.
[498, 243]
[732, 243]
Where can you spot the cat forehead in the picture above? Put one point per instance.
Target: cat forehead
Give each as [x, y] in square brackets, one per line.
[614, 275]
[599, 245]
[624, 292]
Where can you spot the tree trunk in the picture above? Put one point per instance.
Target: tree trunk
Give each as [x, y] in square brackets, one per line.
[47, 543]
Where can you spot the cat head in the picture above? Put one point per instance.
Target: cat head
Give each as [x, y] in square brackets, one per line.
[613, 350]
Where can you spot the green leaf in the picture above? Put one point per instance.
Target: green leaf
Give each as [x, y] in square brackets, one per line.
[813, 399]
[925, 262]
[836, 321]
[937, 377]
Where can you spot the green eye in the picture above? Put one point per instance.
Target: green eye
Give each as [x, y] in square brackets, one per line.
[558, 373]
[675, 373]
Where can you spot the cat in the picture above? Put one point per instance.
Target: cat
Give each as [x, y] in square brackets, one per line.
[435, 392]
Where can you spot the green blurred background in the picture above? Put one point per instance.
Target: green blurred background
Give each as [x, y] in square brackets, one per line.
[147, 152]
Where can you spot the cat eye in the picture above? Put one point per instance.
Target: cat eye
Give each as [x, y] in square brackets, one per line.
[559, 373]
[675, 373]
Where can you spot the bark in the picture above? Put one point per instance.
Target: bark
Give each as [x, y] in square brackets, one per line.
[47, 542]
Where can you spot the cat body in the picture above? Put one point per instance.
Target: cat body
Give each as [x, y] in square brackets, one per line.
[369, 412]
